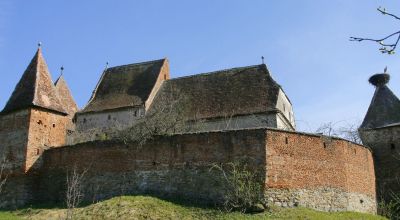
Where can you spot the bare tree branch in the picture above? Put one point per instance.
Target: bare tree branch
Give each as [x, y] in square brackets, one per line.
[384, 12]
[388, 48]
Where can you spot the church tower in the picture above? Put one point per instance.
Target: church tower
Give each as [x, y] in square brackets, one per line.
[380, 131]
[34, 118]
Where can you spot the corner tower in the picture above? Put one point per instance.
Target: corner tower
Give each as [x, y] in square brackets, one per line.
[33, 119]
[380, 131]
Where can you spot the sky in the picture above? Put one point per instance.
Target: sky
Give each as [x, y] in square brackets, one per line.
[305, 44]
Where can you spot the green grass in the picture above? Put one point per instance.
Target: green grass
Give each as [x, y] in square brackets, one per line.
[146, 207]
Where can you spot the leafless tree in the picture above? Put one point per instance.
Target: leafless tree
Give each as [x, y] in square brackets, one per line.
[348, 131]
[162, 119]
[388, 48]
[74, 192]
[328, 129]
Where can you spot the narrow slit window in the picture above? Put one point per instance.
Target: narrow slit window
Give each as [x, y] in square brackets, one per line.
[392, 146]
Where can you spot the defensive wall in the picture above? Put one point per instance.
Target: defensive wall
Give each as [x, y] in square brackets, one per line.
[300, 169]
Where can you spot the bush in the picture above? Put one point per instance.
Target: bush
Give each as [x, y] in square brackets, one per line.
[244, 187]
[391, 208]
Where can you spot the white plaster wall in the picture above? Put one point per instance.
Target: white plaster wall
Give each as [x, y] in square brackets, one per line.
[236, 122]
[284, 105]
[117, 119]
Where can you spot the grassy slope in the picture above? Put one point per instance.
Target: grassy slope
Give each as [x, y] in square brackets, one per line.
[145, 207]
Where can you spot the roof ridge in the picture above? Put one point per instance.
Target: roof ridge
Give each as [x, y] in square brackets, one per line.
[135, 64]
[219, 71]
[39, 51]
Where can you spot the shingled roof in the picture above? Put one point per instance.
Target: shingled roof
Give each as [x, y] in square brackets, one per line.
[65, 96]
[124, 86]
[35, 88]
[384, 109]
[237, 91]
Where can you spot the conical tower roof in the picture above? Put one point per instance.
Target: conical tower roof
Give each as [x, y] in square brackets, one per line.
[65, 96]
[384, 109]
[35, 88]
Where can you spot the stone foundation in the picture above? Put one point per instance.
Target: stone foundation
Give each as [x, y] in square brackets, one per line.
[323, 199]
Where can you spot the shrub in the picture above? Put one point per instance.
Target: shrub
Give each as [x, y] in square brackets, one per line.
[244, 187]
[390, 208]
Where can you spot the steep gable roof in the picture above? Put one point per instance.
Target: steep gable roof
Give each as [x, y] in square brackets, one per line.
[383, 110]
[65, 96]
[237, 91]
[123, 86]
[35, 88]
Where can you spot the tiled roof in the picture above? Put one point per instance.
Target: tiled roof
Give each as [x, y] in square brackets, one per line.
[123, 86]
[244, 90]
[35, 88]
[383, 110]
[65, 96]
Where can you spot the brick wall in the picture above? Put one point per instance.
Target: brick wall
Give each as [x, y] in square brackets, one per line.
[177, 165]
[319, 172]
[46, 130]
[301, 169]
[14, 137]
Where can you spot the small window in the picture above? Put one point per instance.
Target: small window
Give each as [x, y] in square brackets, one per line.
[39, 122]
[284, 108]
[109, 117]
[37, 151]
[84, 120]
[54, 125]
[392, 146]
[165, 77]
[324, 145]
[135, 113]
[286, 140]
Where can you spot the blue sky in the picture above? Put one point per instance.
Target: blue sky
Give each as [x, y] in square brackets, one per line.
[305, 45]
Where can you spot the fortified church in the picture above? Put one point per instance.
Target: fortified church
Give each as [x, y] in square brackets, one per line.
[229, 115]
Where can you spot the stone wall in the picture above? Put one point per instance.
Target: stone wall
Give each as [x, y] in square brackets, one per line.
[301, 169]
[319, 172]
[385, 145]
